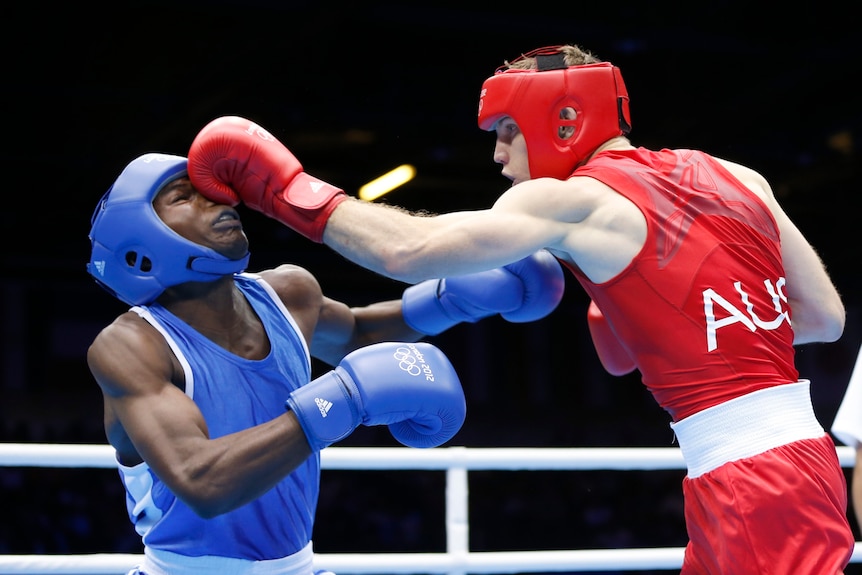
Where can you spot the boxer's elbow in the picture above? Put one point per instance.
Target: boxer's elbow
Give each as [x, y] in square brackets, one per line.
[824, 324]
[204, 511]
[209, 495]
[832, 320]
[208, 505]
[832, 329]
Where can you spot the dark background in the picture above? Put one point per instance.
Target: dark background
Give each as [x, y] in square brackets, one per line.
[355, 91]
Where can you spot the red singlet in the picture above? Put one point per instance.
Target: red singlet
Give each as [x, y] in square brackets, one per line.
[702, 309]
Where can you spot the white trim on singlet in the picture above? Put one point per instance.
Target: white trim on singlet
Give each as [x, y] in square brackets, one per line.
[187, 368]
[160, 562]
[277, 300]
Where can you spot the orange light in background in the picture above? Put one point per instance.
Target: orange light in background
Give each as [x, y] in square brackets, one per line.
[387, 182]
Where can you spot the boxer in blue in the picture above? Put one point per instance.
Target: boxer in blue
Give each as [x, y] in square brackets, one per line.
[206, 379]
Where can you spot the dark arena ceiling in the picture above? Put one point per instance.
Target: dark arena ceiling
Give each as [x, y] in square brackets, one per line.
[357, 90]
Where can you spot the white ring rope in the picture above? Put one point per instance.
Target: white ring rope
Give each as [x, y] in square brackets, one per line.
[457, 560]
[472, 458]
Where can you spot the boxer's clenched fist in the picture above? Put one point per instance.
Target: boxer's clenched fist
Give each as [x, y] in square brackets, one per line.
[233, 159]
[523, 291]
[411, 387]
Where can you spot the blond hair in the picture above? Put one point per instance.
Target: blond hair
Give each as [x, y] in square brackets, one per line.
[573, 56]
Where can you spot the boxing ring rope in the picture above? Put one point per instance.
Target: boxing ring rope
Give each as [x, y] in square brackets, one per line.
[456, 461]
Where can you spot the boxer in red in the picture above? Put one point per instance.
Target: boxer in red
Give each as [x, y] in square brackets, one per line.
[697, 277]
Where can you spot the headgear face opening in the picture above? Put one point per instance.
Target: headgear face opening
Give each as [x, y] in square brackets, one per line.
[564, 112]
[135, 255]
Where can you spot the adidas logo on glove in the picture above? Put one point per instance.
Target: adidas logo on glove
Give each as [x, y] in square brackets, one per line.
[323, 405]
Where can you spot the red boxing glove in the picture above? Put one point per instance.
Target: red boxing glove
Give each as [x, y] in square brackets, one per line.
[614, 358]
[233, 159]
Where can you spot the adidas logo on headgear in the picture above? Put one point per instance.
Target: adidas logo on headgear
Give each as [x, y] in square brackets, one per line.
[323, 405]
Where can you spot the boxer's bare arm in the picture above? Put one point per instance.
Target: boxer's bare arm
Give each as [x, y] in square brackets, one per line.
[817, 311]
[580, 220]
[331, 328]
[149, 417]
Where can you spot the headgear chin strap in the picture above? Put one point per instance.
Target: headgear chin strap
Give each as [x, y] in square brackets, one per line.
[539, 101]
[135, 255]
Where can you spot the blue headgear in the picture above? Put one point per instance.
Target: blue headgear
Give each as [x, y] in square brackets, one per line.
[135, 255]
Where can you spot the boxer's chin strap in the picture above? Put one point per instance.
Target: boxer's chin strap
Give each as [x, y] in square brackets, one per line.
[550, 62]
[218, 267]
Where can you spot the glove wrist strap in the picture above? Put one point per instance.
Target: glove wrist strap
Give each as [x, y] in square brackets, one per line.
[328, 408]
[422, 309]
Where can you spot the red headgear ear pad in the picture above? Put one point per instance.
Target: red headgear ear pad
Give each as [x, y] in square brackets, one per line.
[542, 103]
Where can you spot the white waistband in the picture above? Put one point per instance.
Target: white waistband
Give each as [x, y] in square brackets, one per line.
[160, 562]
[746, 426]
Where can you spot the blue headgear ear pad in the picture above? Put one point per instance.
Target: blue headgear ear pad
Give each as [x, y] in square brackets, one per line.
[135, 255]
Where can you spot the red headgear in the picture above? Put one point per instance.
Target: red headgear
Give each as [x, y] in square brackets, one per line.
[537, 101]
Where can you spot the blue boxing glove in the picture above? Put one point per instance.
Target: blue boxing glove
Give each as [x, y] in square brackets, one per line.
[411, 387]
[524, 291]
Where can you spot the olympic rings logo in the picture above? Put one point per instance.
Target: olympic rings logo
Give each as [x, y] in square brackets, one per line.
[407, 361]
[157, 158]
[255, 130]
